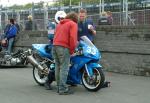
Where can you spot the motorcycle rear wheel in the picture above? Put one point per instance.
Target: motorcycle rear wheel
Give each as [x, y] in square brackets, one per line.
[38, 77]
[94, 83]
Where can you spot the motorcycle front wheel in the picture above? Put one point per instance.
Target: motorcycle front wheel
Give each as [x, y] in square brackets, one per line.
[95, 82]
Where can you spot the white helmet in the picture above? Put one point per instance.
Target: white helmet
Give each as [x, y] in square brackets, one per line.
[58, 15]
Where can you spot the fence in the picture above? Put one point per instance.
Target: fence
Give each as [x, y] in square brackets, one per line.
[136, 16]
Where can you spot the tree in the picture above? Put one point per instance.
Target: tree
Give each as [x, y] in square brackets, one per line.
[16, 7]
[76, 2]
[27, 6]
[66, 2]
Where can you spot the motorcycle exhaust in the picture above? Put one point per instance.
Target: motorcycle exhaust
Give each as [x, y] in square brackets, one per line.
[34, 62]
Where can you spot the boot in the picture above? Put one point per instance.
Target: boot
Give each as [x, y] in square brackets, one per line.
[47, 85]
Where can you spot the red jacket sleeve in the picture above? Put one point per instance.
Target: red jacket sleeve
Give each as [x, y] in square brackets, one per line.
[73, 37]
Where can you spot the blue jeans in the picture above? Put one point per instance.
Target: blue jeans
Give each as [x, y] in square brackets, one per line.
[62, 61]
[10, 45]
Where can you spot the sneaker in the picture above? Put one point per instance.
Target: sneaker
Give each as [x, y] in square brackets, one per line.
[73, 85]
[66, 92]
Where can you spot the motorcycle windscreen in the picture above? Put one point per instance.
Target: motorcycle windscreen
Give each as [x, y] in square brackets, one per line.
[89, 49]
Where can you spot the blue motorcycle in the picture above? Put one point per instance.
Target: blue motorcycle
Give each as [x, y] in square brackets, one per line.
[84, 67]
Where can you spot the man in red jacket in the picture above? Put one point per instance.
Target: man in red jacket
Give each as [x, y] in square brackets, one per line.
[65, 41]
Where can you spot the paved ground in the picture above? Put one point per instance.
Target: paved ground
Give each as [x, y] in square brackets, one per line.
[17, 86]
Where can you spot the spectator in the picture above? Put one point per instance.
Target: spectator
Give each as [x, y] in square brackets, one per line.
[17, 26]
[30, 24]
[10, 34]
[51, 29]
[1, 42]
[110, 18]
[103, 20]
[7, 27]
[0, 47]
[65, 41]
[85, 26]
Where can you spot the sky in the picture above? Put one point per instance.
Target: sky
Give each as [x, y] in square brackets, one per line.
[20, 2]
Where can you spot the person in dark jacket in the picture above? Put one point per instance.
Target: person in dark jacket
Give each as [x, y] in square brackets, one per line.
[10, 34]
[65, 42]
[105, 19]
[17, 26]
[51, 29]
[85, 26]
[30, 24]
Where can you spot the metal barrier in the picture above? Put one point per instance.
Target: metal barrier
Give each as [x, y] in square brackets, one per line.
[43, 15]
[135, 17]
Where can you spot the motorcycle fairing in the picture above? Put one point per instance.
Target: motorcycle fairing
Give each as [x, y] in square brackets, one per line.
[90, 51]
[41, 50]
[75, 74]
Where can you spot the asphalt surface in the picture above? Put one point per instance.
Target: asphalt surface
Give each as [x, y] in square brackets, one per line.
[18, 86]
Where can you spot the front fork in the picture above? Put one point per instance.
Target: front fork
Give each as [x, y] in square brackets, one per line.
[89, 68]
[90, 72]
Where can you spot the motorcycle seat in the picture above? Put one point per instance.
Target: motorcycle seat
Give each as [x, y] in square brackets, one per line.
[48, 48]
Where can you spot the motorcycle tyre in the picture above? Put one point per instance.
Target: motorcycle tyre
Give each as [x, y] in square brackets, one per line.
[37, 81]
[100, 84]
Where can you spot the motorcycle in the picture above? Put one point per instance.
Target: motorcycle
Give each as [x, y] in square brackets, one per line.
[84, 67]
[17, 59]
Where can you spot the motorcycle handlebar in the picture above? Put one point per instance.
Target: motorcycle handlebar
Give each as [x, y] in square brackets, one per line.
[77, 52]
